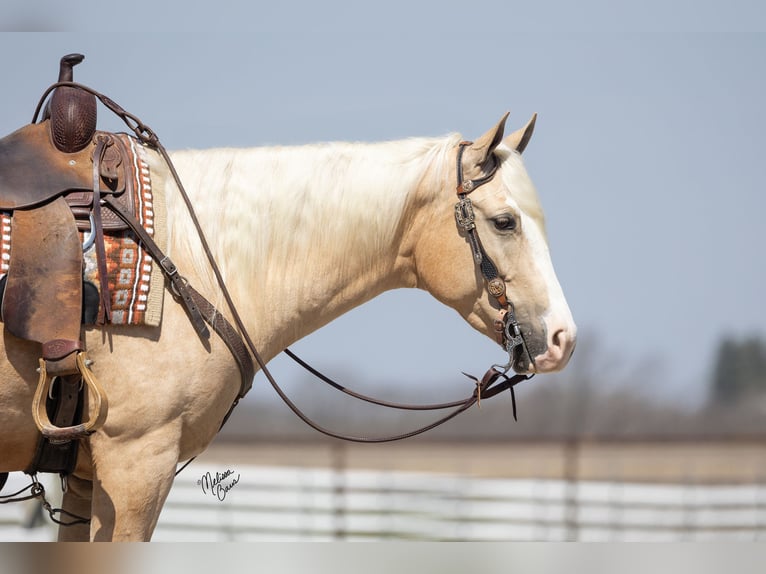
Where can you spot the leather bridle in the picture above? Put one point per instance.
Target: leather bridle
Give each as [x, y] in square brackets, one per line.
[507, 330]
[493, 382]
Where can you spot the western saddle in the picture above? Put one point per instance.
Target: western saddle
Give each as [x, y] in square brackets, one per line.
[60, 177]
[52, 173]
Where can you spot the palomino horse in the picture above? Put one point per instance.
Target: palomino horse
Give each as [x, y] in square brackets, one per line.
[302, 235]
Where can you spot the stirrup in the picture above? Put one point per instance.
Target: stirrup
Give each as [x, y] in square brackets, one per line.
[65, 434]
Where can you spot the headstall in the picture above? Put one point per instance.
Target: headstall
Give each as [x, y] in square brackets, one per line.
[507, 330]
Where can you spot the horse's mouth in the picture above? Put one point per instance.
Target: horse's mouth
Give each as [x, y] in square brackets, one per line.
[522, 363]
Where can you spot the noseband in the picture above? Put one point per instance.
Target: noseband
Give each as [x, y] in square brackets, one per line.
[507, 330]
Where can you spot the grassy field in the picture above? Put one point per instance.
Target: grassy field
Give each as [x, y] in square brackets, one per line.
[684, 462]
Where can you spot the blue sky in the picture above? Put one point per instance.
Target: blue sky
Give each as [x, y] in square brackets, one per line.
[647, 153]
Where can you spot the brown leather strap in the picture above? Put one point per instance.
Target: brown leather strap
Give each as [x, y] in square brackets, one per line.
[196, 305]
[200, 310]
[178, 283]
[57, 349]
[105, 306]
[230, 337]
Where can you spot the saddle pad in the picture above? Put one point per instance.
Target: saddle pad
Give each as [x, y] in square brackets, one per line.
[136, 284]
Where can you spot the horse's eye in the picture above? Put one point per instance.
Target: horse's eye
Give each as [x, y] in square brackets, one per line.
[505, 223]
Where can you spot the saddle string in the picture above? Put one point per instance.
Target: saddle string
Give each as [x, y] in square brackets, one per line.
[105, 306]
[484, 387]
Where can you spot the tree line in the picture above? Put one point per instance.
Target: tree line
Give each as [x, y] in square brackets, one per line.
[739, 373]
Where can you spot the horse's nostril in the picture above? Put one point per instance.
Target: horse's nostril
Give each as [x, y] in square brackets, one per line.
[562, 344]
[558, 340]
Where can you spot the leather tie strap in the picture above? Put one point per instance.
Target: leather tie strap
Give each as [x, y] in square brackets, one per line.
[105, 306]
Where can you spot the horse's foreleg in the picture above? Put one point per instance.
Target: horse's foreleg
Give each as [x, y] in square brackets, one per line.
[77, 501]
[132, 480]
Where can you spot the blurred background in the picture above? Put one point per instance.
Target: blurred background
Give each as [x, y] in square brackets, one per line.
[647, 158]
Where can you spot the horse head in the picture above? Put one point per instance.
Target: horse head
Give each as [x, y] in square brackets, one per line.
[493, 258]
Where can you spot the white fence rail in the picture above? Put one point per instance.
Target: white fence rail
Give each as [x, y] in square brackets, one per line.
[284, 503]
[320, 504]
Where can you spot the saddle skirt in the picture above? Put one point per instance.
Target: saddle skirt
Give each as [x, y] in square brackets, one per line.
[136, 285]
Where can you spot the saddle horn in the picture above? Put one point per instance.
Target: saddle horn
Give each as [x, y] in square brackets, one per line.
[72, 111]
[66, 65]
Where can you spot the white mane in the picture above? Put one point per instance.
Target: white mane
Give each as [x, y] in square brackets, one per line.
[286, 219]
[285, 203]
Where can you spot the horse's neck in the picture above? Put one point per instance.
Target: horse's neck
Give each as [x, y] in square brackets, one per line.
[302, 234]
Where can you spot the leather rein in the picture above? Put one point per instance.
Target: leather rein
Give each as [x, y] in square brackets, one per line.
[201, 311]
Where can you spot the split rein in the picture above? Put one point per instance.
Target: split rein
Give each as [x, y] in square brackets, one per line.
[492, 383]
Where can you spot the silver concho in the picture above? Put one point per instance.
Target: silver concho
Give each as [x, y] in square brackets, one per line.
[464, 214]
[496, 287]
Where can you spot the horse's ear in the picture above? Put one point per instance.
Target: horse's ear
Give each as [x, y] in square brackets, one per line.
[480, 150]
[519, 139]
